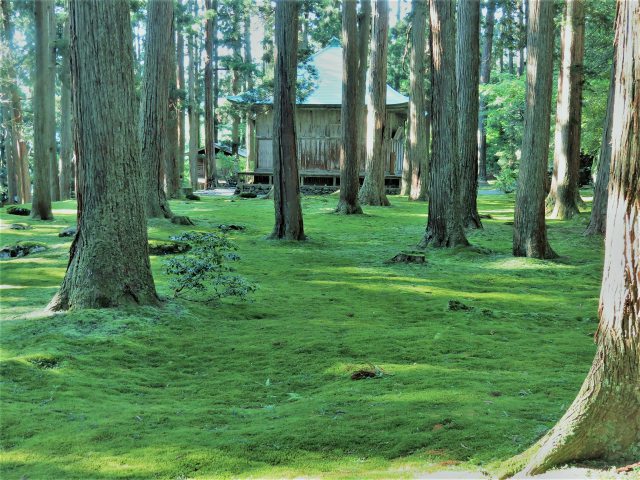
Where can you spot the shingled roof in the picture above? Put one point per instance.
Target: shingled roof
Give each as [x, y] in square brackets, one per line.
[326, 89]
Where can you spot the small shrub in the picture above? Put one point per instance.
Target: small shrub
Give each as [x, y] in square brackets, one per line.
[24, 212]
[507, 179]
[204, 274]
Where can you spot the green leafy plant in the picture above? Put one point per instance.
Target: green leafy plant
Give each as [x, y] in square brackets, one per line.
[204, 274]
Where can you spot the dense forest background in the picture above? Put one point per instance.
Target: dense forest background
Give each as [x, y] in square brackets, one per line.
[243, 61]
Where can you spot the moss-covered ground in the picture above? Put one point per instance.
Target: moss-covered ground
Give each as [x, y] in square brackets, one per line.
[263, 388]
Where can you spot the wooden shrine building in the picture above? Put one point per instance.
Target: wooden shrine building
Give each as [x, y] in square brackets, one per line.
[318, 126]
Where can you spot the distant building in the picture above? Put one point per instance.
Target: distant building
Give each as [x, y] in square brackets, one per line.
[318, 125]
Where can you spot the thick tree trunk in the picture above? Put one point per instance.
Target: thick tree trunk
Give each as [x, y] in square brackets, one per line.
[604, 420]
[349, 174]
[562, 199]
[109, 263]
[373, 189]
[182, 113]
[154, 110]
[598, 220]
[209, 101]
[529, 229]
[66, 140]
[485, 76]
[417, 154]
[54, 175]
[467, 76]
[444, 226]
[364, 37]
[41, 205]
[286, 193]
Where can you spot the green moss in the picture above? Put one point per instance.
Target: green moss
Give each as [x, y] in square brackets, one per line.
[264, 389]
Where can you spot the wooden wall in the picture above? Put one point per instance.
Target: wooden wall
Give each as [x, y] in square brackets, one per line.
[319, 140]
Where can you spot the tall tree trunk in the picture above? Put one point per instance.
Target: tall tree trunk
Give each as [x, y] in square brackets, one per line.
[41, 205]
[236, 80]
[54, 176]
[604, 420]
[564, 192]
[194, 114]
[373, 188]
[216, 75]
[10, 154]
[14, 115]
[529, 229]
[598, 220]
[109, 260]
[171, 171]
[349, 174]
[154, 110]
[248, 60]
[364, 37]
[417, 154]
[286, 193]
[246, 40]
[66, 140]
[485, 77]
[20, 145]
[467, 76]
[209, 101]
[522, 25]
[444, 226]
[182, 113]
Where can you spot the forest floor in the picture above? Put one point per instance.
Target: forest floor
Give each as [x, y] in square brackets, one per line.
[478, 353]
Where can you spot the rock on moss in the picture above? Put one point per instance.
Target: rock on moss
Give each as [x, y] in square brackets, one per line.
[22, 249]
[24, 212]
[167, 247]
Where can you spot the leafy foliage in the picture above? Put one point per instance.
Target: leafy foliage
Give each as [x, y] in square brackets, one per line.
[205, 272]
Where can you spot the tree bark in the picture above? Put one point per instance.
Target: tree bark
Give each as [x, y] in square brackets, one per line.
[154, 110]
[604, 420]
[349, 173]
[12, 116]
[286, 194]
[109, 263]
[236, 78]
[193, 110]
[66, 140]
[373, 188]
[41, 205]
[562, 199]
[444, 225]
[54, 175]
[181, 111]
[598, 220]
[417, 154]
[485, 77]
[171, 169]
[19, 145]
[9, 153]
[246, 40]
[529, 229]
[467, 76]
[209, 111]
[364, 37]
